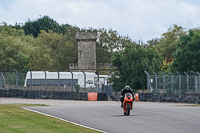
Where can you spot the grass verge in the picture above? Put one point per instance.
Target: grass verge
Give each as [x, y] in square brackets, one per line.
[196, 105]
[14, 119]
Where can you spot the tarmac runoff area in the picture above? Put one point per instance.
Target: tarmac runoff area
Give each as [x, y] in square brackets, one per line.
[107, 116]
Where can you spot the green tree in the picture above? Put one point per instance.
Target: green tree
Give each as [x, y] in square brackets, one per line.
[14, 48]
[153, 42]
[52, 52]
[167, 43]
[45, 23]
[108, 42]
[131, 64]
[188, 52]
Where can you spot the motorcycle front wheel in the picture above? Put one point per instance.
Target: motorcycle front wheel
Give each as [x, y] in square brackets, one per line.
[128, 109]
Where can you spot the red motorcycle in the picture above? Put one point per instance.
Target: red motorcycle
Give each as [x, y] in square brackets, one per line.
[128, 103]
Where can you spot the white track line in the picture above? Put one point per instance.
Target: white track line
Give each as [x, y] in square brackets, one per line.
[64, 120]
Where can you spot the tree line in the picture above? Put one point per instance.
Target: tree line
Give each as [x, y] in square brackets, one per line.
[44, 44]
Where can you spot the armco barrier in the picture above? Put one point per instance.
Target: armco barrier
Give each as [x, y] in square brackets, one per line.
[42, 94]
[163, 97]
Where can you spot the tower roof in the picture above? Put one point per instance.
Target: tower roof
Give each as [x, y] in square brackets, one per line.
[84, 34]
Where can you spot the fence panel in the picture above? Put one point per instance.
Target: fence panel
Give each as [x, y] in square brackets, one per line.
[50, 81]
[168, 86]
[176, 84]
[184, 84]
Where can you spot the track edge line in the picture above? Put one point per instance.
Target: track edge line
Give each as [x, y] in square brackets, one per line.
[64, 120]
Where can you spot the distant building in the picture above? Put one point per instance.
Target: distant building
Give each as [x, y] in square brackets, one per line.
[65, 78]
[86, 51]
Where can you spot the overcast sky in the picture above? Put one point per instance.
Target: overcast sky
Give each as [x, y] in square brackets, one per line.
[139, 19]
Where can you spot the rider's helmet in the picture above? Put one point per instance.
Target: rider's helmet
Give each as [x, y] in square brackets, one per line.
[127, 87]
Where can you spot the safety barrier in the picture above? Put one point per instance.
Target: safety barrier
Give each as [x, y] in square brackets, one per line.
[163, 97]
[101, 96]
[92, 96]
[153, 97]
[42, 94]
[137, 97]
[97, 96]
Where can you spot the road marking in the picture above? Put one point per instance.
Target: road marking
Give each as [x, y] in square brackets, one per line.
[65, 120]
[95, 112]
[137, 121]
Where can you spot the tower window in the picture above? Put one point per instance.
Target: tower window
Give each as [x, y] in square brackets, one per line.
[80, 51]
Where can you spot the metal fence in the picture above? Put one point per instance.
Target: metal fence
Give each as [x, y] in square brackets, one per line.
[174, 83]
[15, 80]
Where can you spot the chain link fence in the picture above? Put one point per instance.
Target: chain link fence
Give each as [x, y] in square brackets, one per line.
[82, 82]
[12, 80]
[54, 85]
[173, 83]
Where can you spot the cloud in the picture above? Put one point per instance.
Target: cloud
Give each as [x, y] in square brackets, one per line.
[140, 19]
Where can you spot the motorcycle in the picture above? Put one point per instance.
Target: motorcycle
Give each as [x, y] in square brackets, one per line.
[128, 103]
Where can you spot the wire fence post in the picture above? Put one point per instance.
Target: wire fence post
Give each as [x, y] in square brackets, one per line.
[45, 80]
[84, 81]
[97, 73]
[172, 87]
[198, 81]
[72, 81]
[16, 78]
[58, 80]
[195, 82]
[163, 81]
[147, 81]
[31, 79]
[179, 82]
[156, 80]
[1, 80]
[31, 83]
[187, 82]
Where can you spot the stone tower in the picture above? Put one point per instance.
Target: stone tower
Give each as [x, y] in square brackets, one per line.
[86, 51]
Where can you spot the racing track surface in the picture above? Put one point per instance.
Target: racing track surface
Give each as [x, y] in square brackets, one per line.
[143, 119]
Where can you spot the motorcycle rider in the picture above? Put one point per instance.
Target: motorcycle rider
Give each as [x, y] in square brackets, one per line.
[125, 90]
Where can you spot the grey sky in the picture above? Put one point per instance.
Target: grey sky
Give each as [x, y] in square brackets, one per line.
[139, 19]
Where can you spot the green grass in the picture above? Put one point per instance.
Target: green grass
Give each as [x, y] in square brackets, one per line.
[14, 119]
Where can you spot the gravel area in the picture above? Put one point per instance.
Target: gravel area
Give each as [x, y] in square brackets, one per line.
[53, 102]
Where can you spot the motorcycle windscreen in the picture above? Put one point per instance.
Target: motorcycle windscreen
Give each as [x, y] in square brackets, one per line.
[128, 95]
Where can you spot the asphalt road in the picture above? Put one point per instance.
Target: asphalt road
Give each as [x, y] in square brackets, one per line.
[143, 119]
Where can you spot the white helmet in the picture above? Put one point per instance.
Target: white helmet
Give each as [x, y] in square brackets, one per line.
[127, 87]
